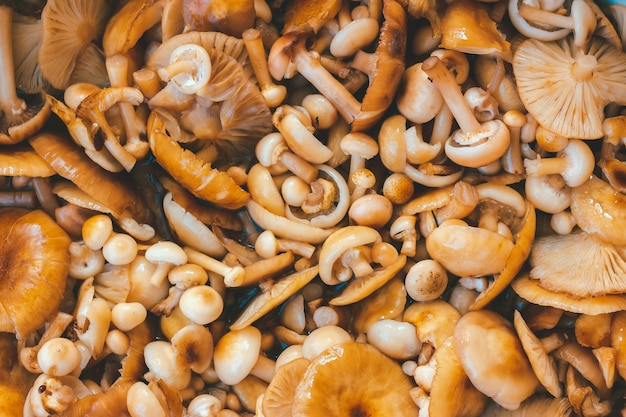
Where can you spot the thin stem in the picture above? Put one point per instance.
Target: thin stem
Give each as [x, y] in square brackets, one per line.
[452, 95]
[10, 103]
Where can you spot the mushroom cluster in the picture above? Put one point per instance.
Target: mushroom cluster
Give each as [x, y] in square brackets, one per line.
[222, 209]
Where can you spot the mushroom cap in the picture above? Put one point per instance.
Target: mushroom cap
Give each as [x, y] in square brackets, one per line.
[467, 27]
[302, 14]
[20, 159]
[530, 290]
[566, 89]
[279, 293]
[387, 302]
[388, 67]
[586, 266]
[198, 177]
[226, 16]
[26, 40]
[114, 191]
[68, 27]
[460, 248]
[523, 244]
[15, 128]
[128, 24]
[452, 393]
[35, 264]
[598, 210]
[505, 373]
[278, 398]
[236, 353]
[543, 364]
[336, 383]
[434, 320]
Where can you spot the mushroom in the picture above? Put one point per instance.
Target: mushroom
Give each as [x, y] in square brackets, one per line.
[18, 118]
[219, 16]
[273, 94]
[581, 20]
[300, 15]
[575, 163]
[331, 373]
[511, 379]
[543, 364]
[69, 29]
[35, 241]
[596, 207]
[474, 144]
[115, 193]
[387, 64]
[566, 67]
[278, 398]
[426, 280]
[599, 262]
[530, 290]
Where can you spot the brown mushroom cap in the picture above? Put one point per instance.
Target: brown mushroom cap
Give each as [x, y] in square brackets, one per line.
[467, 27]
[302, 14]
[336, 383]
[22, 160]
[35, 252]
[70, 162]
[128, 24]
[388, 67]
[68, 27]
[226, 16]
[566, 89]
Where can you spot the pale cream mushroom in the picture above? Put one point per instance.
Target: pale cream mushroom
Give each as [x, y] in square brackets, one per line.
[505, 374]
[165, 255]
[426, 280]
[272, 149]
[396, 339]
[274, 94]
[575, 163]
[474, 144]
[403, 229]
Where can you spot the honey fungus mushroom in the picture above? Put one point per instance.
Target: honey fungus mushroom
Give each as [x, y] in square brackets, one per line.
[34, 272]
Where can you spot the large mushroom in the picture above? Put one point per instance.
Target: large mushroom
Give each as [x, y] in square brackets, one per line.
[566, 87]
[35, 252]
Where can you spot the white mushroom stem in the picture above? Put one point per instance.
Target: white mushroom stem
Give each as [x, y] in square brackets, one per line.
[403, 229]
[272, 150]
[575, 163]
[356, 259]
[512, 159]
[189, 68]
[309, 66]
[117, 69]
[273, 94]
[479, 284]
[28, 355]
[267, 246]
[582, 19]
[233, 275]
[451, 93]
[10, 103]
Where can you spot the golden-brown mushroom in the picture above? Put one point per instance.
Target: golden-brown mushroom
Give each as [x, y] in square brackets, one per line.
[34, 271]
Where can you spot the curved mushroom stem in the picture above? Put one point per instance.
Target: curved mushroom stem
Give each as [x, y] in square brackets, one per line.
[117, 69]
[512, 159]
[452, 95]
[233, 276]
[10, 103]
[273, 94]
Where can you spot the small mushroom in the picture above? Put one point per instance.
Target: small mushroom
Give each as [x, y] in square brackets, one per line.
[475, 144]
[426, 280]
[575, 163]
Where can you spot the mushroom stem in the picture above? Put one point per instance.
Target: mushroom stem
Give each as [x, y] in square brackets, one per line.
[273, 94]
[452, 95]
[233, 276]
[10, 103]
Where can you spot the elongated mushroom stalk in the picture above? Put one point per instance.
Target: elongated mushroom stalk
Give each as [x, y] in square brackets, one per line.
[273, 94]
[18, 118]
[475, 144]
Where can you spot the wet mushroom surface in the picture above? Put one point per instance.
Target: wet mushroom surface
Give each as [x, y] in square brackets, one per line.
[291, 208]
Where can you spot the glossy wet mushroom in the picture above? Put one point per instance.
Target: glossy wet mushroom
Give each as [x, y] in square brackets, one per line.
[34, 271]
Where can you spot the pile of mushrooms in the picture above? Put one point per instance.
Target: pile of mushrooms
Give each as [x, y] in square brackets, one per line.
[221, 209]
